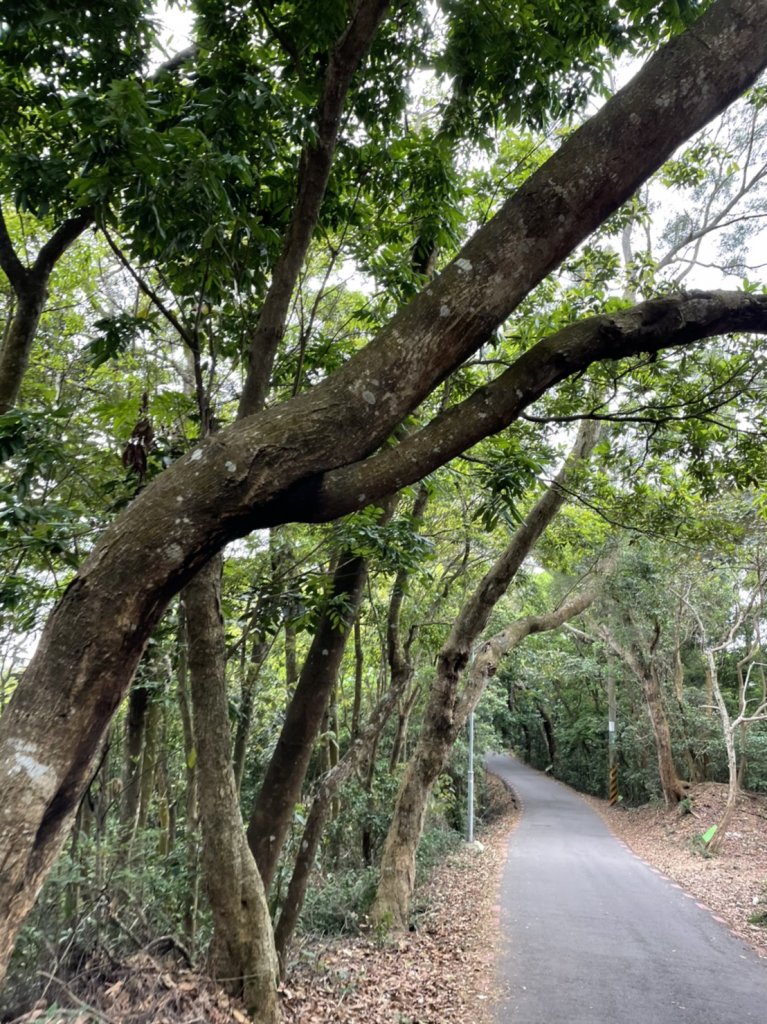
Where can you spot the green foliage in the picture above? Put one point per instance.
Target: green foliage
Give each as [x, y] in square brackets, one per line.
[191, 176]
[388, 547]
[506, 475]
[559, 55]
[117, 335]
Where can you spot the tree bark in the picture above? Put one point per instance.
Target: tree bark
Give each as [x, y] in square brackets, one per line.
[242, 950]
[273, 810]
[447, 708]
[305, 460]
[643, 667]
[30, 285]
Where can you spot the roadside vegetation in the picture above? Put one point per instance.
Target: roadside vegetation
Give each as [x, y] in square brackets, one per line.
[354, 389]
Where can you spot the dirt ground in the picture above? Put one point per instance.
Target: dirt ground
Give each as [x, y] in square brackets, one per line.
[441, 973]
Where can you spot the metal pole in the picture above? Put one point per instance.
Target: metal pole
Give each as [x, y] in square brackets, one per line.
[611, 720]
[470, 786]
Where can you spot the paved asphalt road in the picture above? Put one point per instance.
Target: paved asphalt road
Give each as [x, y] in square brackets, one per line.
[593, 936]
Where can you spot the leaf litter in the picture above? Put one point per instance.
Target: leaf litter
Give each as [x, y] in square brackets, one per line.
[442, 972]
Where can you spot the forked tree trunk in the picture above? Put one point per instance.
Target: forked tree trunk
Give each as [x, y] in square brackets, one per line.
[728, 731]
[447, 710]
[674, 788]
[445, 717]
[242, 950]
[30, 286]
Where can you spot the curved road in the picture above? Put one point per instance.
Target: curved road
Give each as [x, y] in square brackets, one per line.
[594, 936]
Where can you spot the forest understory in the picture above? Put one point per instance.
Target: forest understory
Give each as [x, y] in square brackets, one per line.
[443, 972]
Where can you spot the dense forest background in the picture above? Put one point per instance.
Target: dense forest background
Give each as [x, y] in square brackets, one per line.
[195, 239]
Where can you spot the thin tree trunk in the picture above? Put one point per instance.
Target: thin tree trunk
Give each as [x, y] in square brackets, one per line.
[728, 731]
[138, 700]
[643, 667]
[242, 949]
[359, 662]
[398, 650]
[693, 768]
[245, 718]
[361, 751]
[407, 703]
[548, 734]
[148, 761]
[191, 817]
[291, 661]
[313, 176]
[273, 809]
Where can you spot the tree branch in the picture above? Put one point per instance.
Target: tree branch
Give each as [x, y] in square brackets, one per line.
[67, 232]
[313, 175]
[492, 651]
[648, 327]
[14, 269]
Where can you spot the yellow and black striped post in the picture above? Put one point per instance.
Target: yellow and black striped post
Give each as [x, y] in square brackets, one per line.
[611, 737]
[613, 785]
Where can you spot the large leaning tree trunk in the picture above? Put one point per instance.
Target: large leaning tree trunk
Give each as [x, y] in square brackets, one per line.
[242, 952]
[312, 458]
[447, 709]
